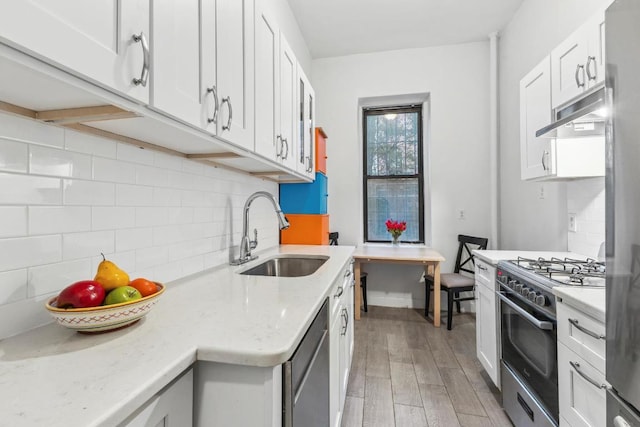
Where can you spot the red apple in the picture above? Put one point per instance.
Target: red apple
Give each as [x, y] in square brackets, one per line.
[85, 293]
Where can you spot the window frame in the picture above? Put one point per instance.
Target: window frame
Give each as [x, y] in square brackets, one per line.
[378, 111]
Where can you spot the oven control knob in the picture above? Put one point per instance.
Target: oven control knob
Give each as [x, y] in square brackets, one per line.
[541, 300]
[524, 291]
[517, 287]
[531, 296]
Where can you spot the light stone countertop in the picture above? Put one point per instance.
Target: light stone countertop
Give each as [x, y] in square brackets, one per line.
[590, 301]
[493, 256]
[57, 377]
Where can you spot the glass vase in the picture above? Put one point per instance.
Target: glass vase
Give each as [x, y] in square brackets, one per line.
[395, 240]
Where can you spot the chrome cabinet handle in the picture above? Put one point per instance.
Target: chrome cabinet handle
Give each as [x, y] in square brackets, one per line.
[578, 83]
[347, 273]
[309, 169]
[144, 76]
[545, 153]
[285, 142]
[482, 267]
[540, 324]
[574, 322]
[576, 367]
[345, 321]
[228, 101]
[212, 90]
[279, 151]
[339, 293]
[591, 60]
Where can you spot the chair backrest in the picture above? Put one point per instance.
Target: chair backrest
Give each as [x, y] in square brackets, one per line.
[333, 238]
[464, 259]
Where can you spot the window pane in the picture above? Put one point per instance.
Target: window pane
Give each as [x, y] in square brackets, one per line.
[392, 144]
[393, 198]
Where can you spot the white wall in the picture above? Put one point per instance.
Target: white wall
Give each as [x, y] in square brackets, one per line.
[526, 221]
[456, 79]
[65, 197]
[289, 26]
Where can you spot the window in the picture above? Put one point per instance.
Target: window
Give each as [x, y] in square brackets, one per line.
[393, 172]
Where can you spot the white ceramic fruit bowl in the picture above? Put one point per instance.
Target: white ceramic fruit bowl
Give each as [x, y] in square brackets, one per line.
[105, 317]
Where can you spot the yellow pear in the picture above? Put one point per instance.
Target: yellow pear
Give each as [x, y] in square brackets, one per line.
[110, 276]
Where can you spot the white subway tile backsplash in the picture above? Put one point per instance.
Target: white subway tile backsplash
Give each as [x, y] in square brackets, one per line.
[154, 214]
[135, 154]
[153, 176]
[13, 221]
[133, 238]
[586, 198]
[14, 156]
[28, 130]
[133, 195]
[89, 144]
[29, 251]
[52, 278]
[58, 162]
[111, 170]
[59, 219]
[29, 190]
[89, 244]
[13, 286]
[89, 193]
[112, 218]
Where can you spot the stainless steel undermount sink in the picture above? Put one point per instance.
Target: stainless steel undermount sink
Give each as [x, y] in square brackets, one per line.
[288, 266]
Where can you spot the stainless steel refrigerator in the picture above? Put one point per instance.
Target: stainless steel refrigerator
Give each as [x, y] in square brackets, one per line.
[623, 212]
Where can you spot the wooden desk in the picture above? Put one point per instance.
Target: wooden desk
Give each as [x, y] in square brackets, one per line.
[428, 257]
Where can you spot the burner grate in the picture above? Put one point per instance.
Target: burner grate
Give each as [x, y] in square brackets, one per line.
[567, 271]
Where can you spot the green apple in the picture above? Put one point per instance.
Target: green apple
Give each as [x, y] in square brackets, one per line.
[122, 294]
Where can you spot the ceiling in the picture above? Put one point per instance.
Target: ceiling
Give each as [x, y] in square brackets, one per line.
[345, 27]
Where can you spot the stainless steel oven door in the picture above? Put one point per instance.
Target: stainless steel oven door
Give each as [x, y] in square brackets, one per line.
[530, 349]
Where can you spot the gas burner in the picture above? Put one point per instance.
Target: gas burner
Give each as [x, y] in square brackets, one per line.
[567, 271]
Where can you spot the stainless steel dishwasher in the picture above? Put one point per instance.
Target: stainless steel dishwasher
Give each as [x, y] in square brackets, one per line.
[306, 377]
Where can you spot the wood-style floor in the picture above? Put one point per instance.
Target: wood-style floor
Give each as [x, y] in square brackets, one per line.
[407, 373]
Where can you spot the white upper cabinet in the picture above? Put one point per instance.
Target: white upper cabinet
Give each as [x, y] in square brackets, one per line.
[577, 64]
[93, 39]
[305, 159]
[535, 113]
[287, 105]
[267, 119]
[183, 67]
[235, 71]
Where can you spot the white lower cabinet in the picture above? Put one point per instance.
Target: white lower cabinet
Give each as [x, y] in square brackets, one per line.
[172, 407]
[341, 344]
[487, 321]
[581, 368]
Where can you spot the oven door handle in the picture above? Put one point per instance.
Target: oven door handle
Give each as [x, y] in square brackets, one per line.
[540, 324]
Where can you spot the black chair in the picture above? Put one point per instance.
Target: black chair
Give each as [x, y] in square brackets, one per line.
[454, 283]
[333, 241]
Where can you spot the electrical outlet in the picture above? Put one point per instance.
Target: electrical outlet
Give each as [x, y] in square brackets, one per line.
[573, 226]
[461, 214]
[541, 194]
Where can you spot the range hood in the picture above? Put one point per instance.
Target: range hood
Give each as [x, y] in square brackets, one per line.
[584, 117]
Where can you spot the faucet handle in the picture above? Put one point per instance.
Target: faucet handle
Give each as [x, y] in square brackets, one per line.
[253, 243]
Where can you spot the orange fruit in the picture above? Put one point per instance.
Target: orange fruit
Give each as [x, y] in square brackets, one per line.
[144, 286]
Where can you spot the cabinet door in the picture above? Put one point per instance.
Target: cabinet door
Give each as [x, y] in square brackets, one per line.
[595, 42]
[334, 368]
[568, 62]
[92, 39]
[582, 403]
[176, 69]
[287, 107]
[535, 113]
[486, 331]
[305, 129]
[173, 407]
[266, 86]
[235, 71]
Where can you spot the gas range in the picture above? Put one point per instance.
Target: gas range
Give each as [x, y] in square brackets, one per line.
[533, 279]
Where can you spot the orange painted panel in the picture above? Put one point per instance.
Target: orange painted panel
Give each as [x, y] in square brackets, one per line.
[321, 151]
[306, 229]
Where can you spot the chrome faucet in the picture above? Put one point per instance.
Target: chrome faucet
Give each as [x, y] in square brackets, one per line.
[246, 244]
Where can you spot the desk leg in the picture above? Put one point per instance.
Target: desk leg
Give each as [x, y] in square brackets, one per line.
[436, 295]
[358, 290]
